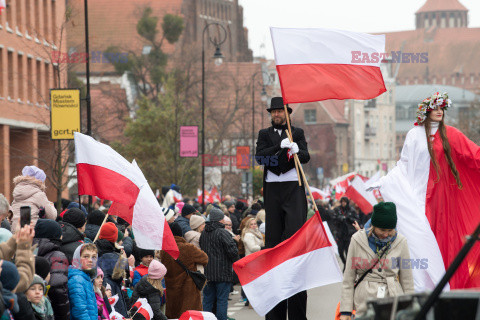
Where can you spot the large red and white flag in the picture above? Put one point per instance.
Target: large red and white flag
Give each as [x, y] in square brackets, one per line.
[143, 308]
[197, 315]
[2, 5]
[356, 192]
[104, 173]
[320, 64]
[304, 261]
[319, 194]
[148, 221]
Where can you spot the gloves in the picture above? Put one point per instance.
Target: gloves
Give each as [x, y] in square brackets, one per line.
[294, 148]
[285, 144]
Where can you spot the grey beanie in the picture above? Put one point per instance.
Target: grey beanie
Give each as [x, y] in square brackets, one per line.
[216, 214]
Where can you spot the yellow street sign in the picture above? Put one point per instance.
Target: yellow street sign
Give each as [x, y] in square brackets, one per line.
[64, 113]
[345, 167]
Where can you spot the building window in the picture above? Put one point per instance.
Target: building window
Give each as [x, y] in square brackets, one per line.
[30, 82]
[2, 94]
[18, 11]
[10, 75]
[38, 81]
[310, 116]
[21, 88]
[54, 21]
[47, 82]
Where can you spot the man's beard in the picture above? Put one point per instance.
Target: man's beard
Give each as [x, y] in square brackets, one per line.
[279, 126]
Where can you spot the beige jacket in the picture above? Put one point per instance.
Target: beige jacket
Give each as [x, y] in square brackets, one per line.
[24, 261]
[29, 191]
[193, 237]
[252, 241]
[396, 280]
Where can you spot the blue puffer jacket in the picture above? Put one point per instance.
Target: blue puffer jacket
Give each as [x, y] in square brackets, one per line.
[184, 223]
[83, 304]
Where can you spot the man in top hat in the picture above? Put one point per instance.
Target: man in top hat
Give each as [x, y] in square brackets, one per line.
[285, 201]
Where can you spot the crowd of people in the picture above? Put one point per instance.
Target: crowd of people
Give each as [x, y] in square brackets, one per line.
[81, 263]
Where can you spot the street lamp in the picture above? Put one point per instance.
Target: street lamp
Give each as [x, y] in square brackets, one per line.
[264, 99]
[218, 59]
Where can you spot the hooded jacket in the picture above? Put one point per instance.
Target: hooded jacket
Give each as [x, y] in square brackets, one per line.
[58, 293]
[221, 250]
[144, 289]
[83, 303]
[29, 191]
[91, 231]
[71, 239]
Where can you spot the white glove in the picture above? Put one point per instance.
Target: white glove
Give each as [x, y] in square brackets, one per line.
[294, 148]
[285, 144]
[375, 185]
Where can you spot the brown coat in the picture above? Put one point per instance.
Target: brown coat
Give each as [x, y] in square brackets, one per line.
[24, 261]
[396, 280]
[181, 292]
[29, 191]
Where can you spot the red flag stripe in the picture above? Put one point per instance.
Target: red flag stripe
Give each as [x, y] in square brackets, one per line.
[359, 200]
[311, 236]
[169, 245]
[106, 184]
[144, 313]
[300, 83]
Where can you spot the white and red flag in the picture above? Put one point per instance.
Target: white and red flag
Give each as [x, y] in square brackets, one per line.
[197, 315]
[114, 315]
[143, 308]
[319, 194]
[113, 300]
[304, 261]
[356, 192]
[102, 172]
[318, 64]
[2, 5]
[148, 221]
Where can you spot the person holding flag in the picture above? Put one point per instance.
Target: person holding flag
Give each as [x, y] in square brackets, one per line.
[285, 201]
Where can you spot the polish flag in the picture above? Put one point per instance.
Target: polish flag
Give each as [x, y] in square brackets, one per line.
[215, 195]
[114, 315]
[148, 221]
[356, 192]
[143, 308]
[197, 315]
[304, 261]
[102, 172]
[2, 5]
[318, 194]
[113, 300]
[321, 64]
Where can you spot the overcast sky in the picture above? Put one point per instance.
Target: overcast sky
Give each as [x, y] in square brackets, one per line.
[352, 15]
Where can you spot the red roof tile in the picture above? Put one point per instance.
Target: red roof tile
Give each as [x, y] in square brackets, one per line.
[442, 5]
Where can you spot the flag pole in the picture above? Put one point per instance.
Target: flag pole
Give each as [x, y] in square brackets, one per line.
[295, 157]
[98, 233]
[290, 137]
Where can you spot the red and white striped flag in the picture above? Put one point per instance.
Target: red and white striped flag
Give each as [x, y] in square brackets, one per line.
[148, 221]
[2, 5]
[304, 261]
[320, 64]
[197, 315]
[143, 308]
[102, 172]
[356, 192]
[114, 315]
[113, 300]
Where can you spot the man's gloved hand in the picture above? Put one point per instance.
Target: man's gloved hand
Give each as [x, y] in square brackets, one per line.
[294, 147]
[285, 144]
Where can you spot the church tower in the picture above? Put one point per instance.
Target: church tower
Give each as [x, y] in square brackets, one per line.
[441, 14]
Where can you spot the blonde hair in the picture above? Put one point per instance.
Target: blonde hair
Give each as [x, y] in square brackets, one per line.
[156, 283]
[371, 229]
[247, 226]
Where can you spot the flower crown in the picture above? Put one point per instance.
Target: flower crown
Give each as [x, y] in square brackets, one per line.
[430, 104]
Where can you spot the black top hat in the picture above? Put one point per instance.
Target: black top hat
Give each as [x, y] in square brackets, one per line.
[277, 103]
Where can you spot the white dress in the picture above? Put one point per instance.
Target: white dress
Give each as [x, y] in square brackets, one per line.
[406, 186]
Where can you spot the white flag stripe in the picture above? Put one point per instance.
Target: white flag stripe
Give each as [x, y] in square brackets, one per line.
[313, 269]
[323, 46]
[359, 185]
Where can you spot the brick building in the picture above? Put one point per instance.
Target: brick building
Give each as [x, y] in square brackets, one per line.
[29, 31]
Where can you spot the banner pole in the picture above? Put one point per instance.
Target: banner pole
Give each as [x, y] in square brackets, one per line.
[290, 137]
[98, 233]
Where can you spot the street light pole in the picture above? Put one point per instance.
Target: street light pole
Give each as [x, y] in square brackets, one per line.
[264, 97]
[218, 60]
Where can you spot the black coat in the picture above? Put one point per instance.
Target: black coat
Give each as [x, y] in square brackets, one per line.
[344, 218]
[71, 239]
[144, 289]
[25, 311]
[222, 252]
[58, 293]
[91, 231]
[273, 157]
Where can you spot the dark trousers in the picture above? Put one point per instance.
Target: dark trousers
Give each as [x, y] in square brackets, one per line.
[286, 212]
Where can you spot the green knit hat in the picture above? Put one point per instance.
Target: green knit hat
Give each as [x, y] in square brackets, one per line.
[384, 215]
